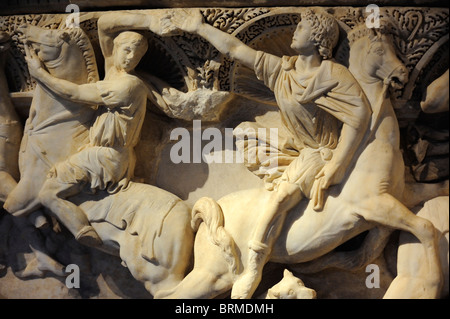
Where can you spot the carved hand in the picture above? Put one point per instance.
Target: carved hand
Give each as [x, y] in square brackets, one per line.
[188, 20]
[33, 61]
[22, 33]
[331, 174]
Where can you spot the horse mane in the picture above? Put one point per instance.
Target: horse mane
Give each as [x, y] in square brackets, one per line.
[81, 39]
[361, 31]
[352, 35]
[357, 33]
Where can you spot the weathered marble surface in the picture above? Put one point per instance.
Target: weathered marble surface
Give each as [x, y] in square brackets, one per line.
[201, 83]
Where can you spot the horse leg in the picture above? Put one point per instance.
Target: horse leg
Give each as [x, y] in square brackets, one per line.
[386, 210]
[5, 227]
[21, 203]
[7, 185]
[42, 262]
[52, 195]
[198, 284]
[22, 200]
[410, 271]
[211, 274]
[267, 229]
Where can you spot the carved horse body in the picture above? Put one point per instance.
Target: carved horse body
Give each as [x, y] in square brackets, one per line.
[367, 199]
[54, 129]
[148, 228]
[67, 55]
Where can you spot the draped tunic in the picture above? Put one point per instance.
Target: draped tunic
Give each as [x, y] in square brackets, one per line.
[312, 109]
[108, 161]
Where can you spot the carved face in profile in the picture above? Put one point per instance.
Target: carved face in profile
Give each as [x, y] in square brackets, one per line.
[316, 32]
[129, 48]
[301, 41]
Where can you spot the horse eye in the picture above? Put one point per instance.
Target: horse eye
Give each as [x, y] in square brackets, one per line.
[379, 51]
[291, 291]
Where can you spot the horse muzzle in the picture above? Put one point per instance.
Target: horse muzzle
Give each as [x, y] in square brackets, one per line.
[398, 78]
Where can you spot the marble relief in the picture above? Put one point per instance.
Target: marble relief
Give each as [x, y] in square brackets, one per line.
[266, 152]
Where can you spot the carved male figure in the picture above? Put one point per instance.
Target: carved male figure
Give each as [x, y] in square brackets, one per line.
[108, 161]
[315, 96]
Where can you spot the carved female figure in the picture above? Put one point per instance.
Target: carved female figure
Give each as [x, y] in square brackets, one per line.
[315, 95]
[108, 161]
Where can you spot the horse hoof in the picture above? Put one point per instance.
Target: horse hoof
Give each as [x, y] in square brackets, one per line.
[243, 286]
[89, 237]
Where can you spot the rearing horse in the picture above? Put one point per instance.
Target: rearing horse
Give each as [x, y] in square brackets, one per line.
[361, 39]
[367, 198]
[55, 128]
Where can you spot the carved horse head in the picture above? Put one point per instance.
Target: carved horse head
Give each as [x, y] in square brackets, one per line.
[373, 58]
[67, 53]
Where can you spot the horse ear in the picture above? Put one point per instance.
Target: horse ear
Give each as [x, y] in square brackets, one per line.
[65, 36]
[373, 34]
[22, 30]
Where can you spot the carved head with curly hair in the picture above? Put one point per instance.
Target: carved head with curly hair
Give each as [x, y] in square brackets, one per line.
[316, 31]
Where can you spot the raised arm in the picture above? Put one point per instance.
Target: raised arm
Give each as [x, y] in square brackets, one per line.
[111, 24]
[192, 21]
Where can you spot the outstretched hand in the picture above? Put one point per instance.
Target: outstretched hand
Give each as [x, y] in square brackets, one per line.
[330, 174]
[187, 20]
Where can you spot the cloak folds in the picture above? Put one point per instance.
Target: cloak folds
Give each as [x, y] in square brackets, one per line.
[312, 108]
